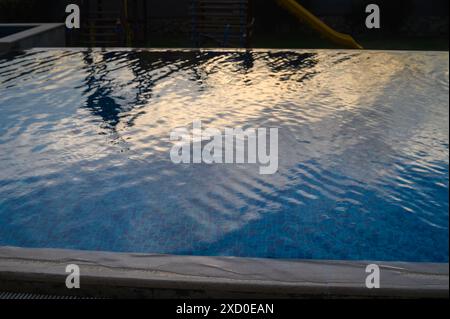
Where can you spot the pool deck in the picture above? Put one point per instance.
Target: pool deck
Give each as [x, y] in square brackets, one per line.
[120, 275]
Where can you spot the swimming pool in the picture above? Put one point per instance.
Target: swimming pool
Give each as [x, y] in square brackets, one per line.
[363, 153]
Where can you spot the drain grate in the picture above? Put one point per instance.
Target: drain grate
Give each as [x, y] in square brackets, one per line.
[31, 296]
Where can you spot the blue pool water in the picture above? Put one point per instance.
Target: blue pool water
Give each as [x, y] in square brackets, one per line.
[363, 144]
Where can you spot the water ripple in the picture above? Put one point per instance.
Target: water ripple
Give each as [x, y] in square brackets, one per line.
[84, 147]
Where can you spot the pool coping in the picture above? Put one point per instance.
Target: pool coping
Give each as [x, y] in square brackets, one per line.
[21, 40]
[129, 275]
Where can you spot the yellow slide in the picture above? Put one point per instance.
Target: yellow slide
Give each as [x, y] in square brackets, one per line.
[307, 17]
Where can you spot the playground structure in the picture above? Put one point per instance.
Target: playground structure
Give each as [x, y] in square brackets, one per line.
[307, 17]
[114, 22]
[230, 23]
[222, 22]
[216, 23]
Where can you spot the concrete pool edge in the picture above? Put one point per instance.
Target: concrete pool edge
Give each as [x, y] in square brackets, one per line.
[37, 35]
[122, 275]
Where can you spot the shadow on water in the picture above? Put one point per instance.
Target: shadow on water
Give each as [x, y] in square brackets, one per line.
[101, 101]
[291, 64]
[148, 69]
